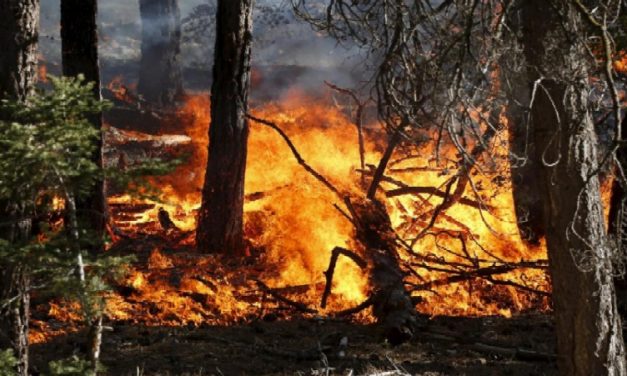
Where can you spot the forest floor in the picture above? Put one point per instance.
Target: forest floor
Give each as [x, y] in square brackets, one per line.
[447, 346]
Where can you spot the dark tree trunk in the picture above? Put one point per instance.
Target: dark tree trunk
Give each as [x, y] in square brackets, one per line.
[220, 227]
[19, 32]
[160, 79]
[391, 303]
[588, 327]
[524, 169]
[525, 173]
[79, 41]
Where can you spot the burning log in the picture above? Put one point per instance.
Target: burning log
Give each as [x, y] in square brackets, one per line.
[392, 304]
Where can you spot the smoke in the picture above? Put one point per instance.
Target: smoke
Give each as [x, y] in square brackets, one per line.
[280, 40]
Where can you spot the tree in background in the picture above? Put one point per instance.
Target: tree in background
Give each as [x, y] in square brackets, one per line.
[160, 77]
[79, 44]
[220, 220]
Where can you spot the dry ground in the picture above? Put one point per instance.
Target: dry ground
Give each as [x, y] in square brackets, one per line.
[447, 346]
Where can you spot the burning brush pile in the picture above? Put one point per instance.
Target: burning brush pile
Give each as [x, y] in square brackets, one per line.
[439, 239]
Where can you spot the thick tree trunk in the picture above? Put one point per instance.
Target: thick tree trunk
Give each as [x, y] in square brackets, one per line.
[79, 41]
[220, 227]
[525, 172]
[19, 31]
[160, 79]
[588, 327]
[524, 168]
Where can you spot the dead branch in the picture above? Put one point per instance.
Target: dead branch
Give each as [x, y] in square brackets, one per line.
[395, 138]
[351, 311]
[358, 122]
[299, 306]
[296, 154]
[435, 192]
[491, 348]
[335, 254]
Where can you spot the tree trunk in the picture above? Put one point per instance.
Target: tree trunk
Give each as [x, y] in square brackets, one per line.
[14, 318]
[220, 225]
[618, 224]
[391, 303]
[79, 41]
[160, 78]
[588, 327]
[19, 31]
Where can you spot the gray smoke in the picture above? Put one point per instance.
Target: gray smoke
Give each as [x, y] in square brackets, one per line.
[280, 40]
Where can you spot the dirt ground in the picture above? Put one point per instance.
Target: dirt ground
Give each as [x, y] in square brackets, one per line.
[446, 346]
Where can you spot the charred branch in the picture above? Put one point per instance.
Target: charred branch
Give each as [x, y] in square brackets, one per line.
[296, 154]
[435, 192]
[335, 253]
[272, 292]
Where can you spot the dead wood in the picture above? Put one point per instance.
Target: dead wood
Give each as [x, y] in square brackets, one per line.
[335, 253]
[358, 123]
[272, 292]
[435, 192]
[296, 154]
[491, 348]
[351, 311]
[392, 304]
[395, 139]
[468, 275]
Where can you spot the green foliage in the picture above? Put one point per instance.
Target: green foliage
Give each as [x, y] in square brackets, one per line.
[48, 144]
[47, 161]
[73, 366]
[7, 363]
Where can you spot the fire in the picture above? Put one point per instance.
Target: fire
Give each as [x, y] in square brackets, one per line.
[120, 90]
[292, 226]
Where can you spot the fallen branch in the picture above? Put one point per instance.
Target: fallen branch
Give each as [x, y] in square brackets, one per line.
[492, 348]
[351, 311]
[299, 306]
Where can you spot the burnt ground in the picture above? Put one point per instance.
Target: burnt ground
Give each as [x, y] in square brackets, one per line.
[445, 346]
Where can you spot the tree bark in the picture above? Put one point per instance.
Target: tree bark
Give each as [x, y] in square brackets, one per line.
[220, 224]
[79, 45]
[15, 316]
[391, 303]
[19, 32]
[160, 78]
[588, 327]
[618, 225]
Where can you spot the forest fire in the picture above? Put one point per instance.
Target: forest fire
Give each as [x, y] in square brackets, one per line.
[292, 226]
[312, 187]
